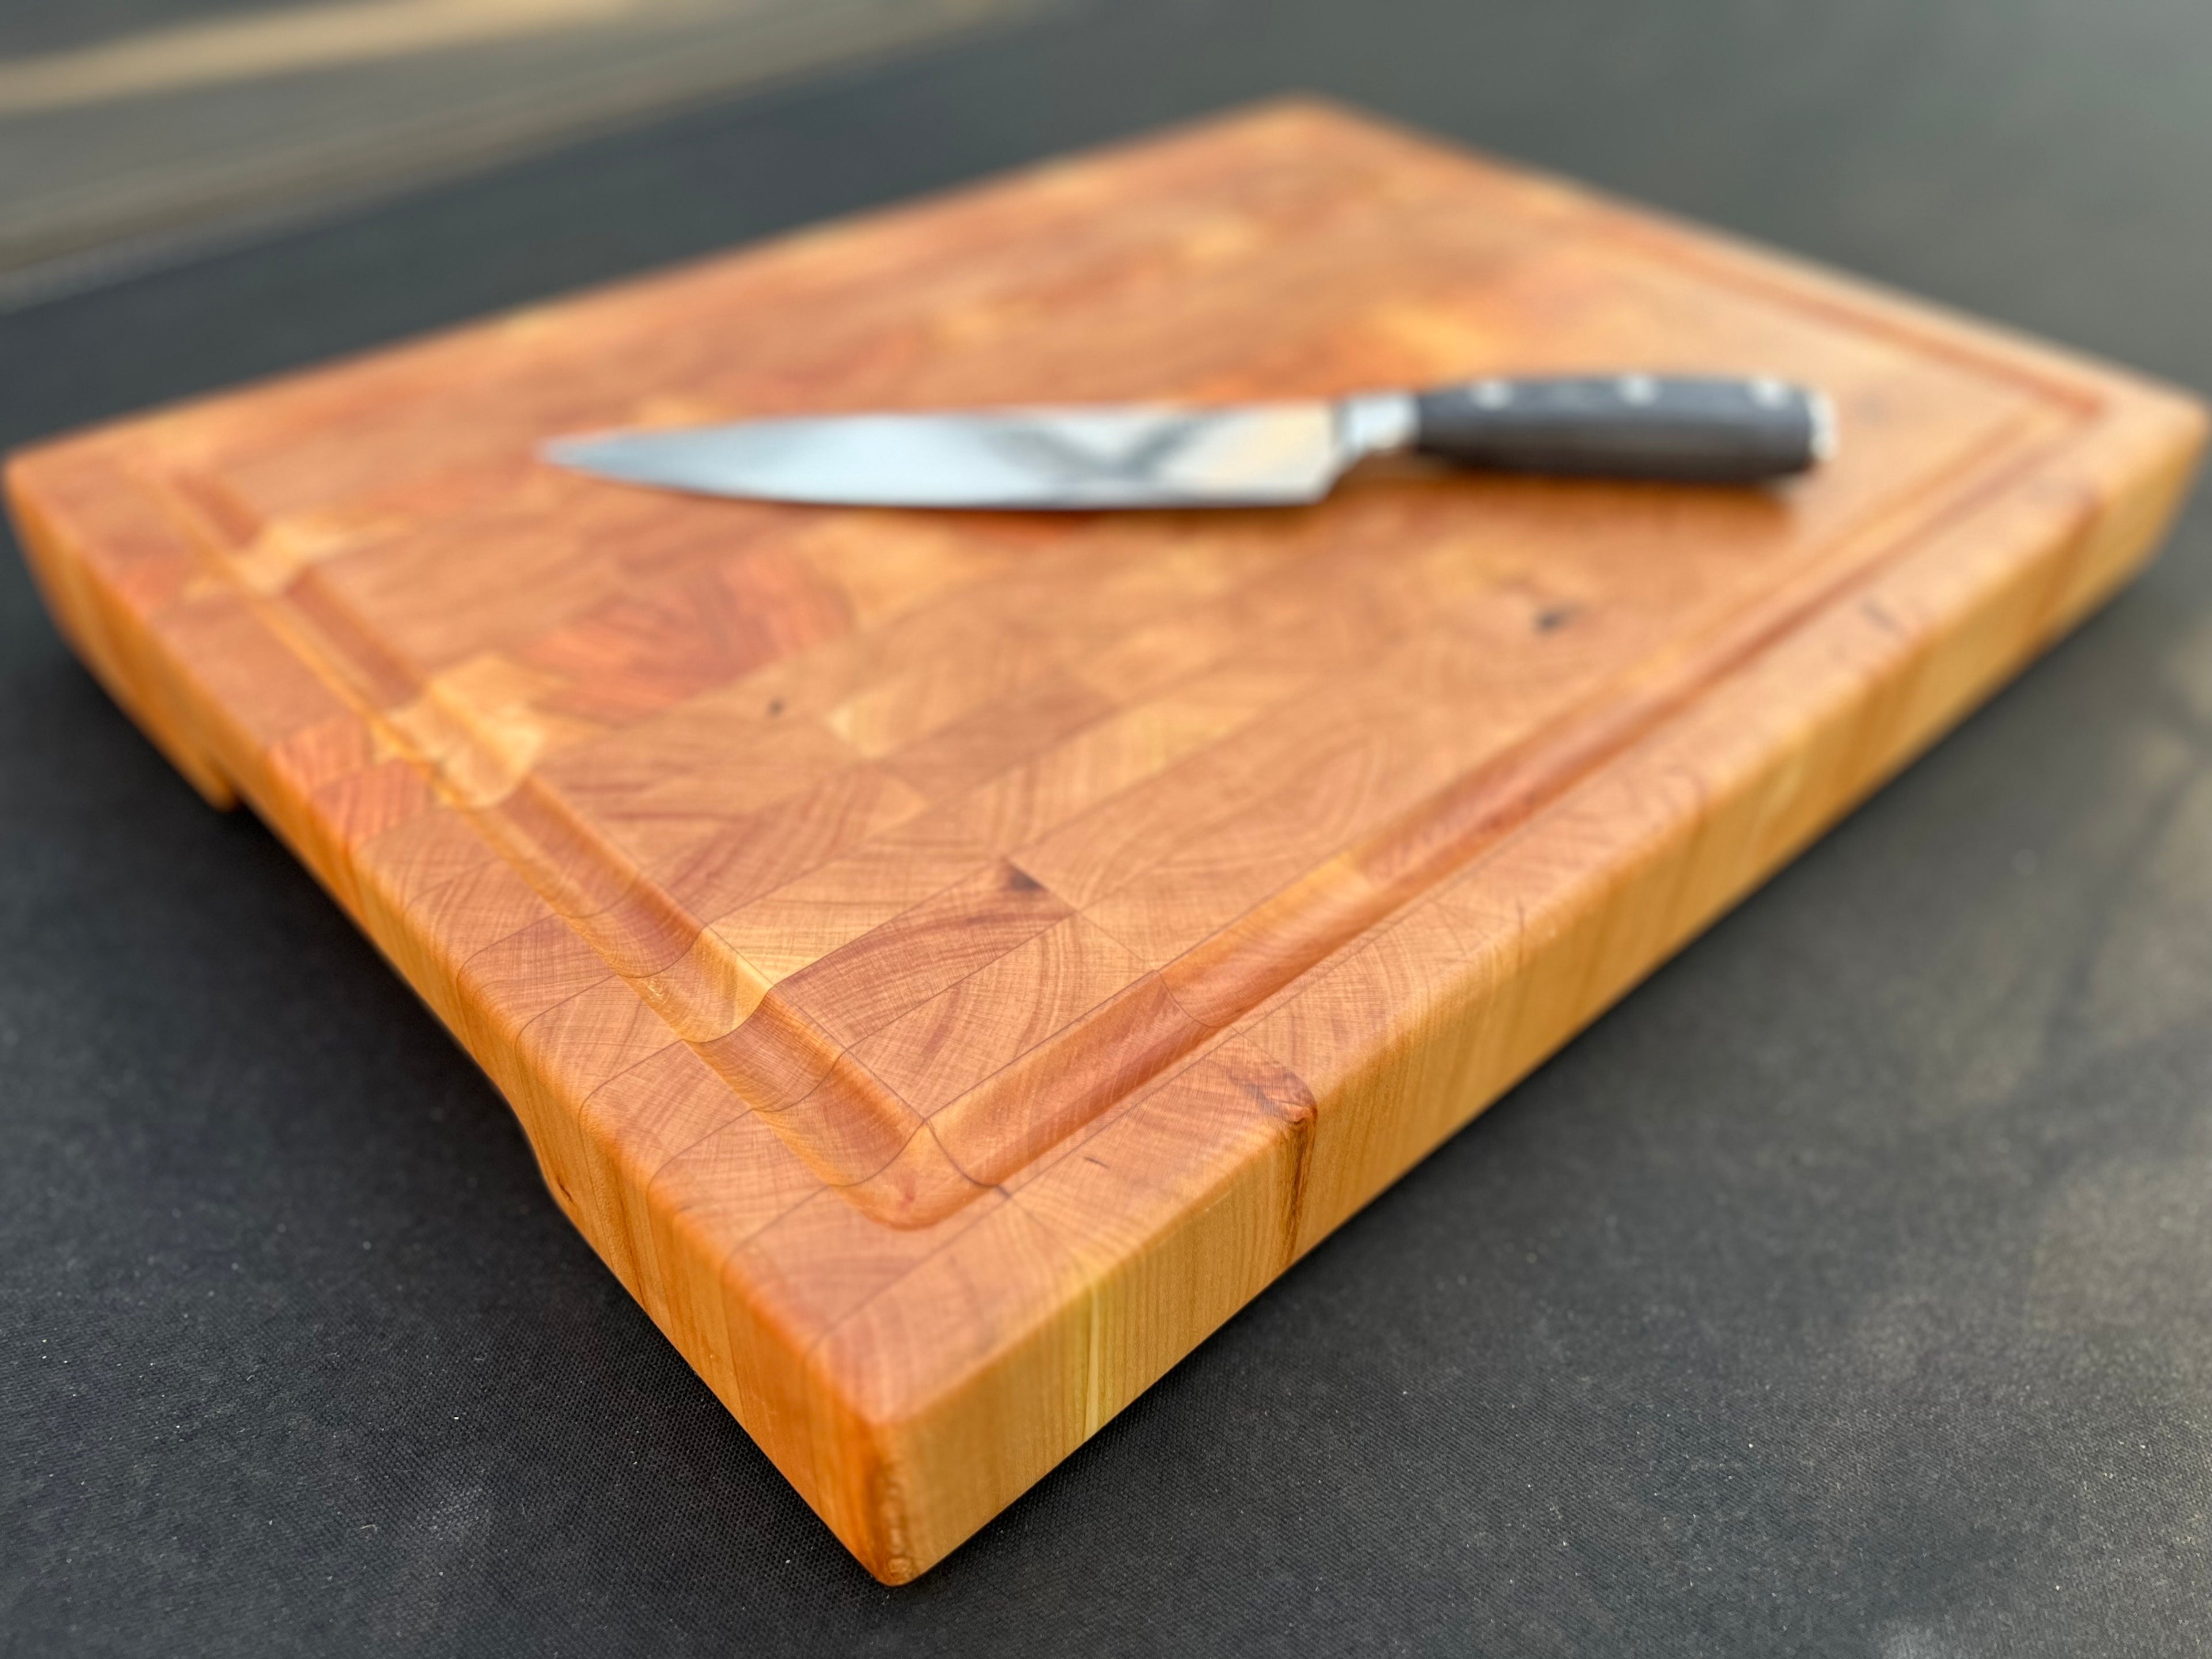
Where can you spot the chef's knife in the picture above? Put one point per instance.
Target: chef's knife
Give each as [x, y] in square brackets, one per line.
[1687, 430]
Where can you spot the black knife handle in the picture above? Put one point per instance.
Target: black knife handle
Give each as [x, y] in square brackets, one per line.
[1689, 429]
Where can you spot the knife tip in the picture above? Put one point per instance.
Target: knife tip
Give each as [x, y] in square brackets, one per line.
[566, 452]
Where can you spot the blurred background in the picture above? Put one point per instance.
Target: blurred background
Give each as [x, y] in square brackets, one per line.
[2038, 158]
[126, 124]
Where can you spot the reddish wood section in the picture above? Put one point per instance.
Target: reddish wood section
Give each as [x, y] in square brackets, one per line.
[947, 963]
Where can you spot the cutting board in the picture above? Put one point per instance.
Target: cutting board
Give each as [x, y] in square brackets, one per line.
[947, 963]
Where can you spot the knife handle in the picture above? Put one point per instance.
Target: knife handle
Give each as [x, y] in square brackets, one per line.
[1689, 429]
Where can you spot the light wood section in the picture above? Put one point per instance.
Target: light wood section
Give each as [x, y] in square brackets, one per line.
[947, 963]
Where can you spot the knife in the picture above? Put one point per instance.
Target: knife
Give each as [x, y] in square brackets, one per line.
[1688, 429]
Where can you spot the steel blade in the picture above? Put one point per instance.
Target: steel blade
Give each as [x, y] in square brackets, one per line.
[1074, 457]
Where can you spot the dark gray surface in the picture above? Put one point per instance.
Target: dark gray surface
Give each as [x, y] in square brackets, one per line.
[1844, 1291]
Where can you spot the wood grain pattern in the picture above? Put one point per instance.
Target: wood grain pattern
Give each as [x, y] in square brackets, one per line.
[947, 963]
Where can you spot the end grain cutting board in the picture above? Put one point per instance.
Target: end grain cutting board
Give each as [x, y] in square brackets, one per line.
[946, 964]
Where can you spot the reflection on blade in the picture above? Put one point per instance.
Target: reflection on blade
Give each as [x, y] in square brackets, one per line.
[1030, 458]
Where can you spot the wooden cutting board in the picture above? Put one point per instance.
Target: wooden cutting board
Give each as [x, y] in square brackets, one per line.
[947, 963]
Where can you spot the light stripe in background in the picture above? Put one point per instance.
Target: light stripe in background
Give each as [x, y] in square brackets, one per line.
[113, 151]
[285, 42]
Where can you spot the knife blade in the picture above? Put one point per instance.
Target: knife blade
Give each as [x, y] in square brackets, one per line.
[1697, 429]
